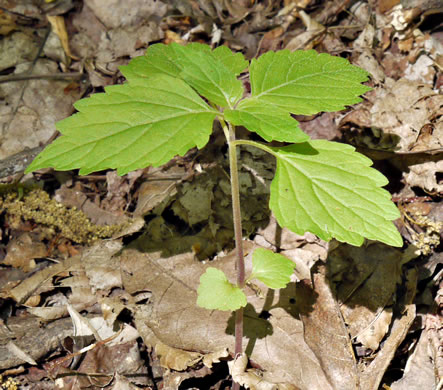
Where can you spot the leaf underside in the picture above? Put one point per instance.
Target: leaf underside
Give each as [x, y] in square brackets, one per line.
[330, 190]
[129, 127]
[271, 268]
[217, 293]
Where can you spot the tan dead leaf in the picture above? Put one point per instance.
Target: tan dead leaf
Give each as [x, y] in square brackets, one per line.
[176, 359]
[366, 278]
[30, 120]
[48, 313]
[19, 353]
[386, 5]
[22, 251]
[7, 23]
[305, 39]
[419, 371]
[325, 331]
[111, 308]
[275, 344]
[366, 59]
[396, 112]
[426, 176]
[376, 330]
[72, 197]
[214, 357]
[81, 296]
[122, 383]
[159, 186]
[32, 301]
[251, 379]
[373, 373]
[28, 286]
[101, 268]
[115, 13]
[32, 337]
[59, 28]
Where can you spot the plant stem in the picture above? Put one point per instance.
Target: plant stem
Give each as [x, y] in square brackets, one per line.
[255, 144]
[236, 212]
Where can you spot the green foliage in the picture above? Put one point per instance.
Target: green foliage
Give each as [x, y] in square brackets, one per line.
[212, 74]
[330, 190]
[270, 268]
[130, 127]
[217, 293]
[319, 186]
[305, 82]
[268, 121]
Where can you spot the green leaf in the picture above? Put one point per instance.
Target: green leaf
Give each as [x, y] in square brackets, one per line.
[129, 127]
[330, 190]
[235, 62]
[271, 268]
[217, 293]
[270, 122]
[305, 82]
[211, 74]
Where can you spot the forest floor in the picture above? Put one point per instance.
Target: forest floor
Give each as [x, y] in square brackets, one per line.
[98, 273]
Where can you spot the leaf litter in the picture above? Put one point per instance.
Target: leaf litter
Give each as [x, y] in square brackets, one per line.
[338, 327]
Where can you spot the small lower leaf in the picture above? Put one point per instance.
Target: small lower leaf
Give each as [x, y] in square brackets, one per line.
[272, 269]
[217, 293]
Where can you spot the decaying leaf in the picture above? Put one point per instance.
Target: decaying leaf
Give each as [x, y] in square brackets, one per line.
[366, 279]
[325, 332]
[252, 379]
[277, 345]
[22, 251]
[176, 359]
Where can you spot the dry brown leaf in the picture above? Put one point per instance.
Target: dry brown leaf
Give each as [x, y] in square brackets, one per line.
[32, 338]
[366, 279]
[419, 370]
[22, 251]
[158, 187]
[26, 288]
[373, 373]
[397, 111]
[44, 102]
[373, 334]
[214, 357]
[276, 344]
[101, 268]
[73, 197]
[426, 176]
[176, 359]
[115, 13]
[7, 23]
[251, 379]
[19, 353]
[59, 28]
[326, 333]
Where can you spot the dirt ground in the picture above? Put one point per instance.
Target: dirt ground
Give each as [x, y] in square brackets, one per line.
[98, 273]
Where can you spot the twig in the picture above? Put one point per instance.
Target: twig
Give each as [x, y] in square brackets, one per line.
[27, 76]
[17, 163]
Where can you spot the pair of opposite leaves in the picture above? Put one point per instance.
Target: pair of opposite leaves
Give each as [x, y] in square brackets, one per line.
[322, 187]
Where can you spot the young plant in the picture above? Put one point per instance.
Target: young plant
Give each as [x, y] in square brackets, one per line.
[173, 95]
